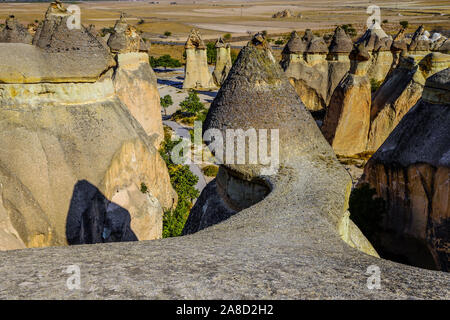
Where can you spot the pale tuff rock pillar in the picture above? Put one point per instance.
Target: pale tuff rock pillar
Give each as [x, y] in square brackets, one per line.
[347, 120]
[410, 171]
[378, 45]
[135, 82]
[223, 62]
[338, 60]
[399, 93]
[196, 74]
[304, 62]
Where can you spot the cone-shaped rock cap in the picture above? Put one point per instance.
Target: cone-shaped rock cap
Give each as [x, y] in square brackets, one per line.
[417, 42]
[14, 32]
[125, 38]
[341, 42]
[375, 39]
[257, 94]
[437, 88]
[220, 43]
[295, 44]
[194, 40]
[308, 36]
[317, 45]
[399, 42]
[359, 53]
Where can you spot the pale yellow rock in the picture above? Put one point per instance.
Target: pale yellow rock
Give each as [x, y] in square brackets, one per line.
[135, 85]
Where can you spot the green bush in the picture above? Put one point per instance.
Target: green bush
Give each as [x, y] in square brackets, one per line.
[279, 42]
[404, 24]
[183, 181]
[210, 171]
[211, 52]
[167, 33]
[227, 36]
[144, 188]
[374, 84]
[349, 30]
[166, 102]
[192, 103]
[367, 211]
[165, 61]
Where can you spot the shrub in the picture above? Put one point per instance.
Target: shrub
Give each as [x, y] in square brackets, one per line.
[349, 30]
[144, 188]
[165, 61]
[367, 211]
[167, 33]
[166, 102]
[141, 21]
[404, 24]
[227, 36]
[192, 103]
[374, 84]
[279, 42]
[183, 181]
[211, 52]
[210, 171]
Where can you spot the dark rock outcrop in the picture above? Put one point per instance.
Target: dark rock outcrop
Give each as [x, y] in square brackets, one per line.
[410, 171]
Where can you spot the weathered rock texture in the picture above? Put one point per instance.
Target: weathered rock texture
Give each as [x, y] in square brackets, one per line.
[223, 62]
[347, 120]
[54, 135]
[411, 172]
[196, 73]
[378, 44]
[285, 246]
[304, 62]
[399, 92]
[125, 38]
[14, 32]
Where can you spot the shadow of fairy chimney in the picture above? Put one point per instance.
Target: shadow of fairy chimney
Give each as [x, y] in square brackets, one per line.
[15, 32]
[223, 61]
[196, 74]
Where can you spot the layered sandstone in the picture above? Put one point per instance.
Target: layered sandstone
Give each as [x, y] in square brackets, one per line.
[55, 135]
[14, 32]
[223, 61]
[196, 73]
[347, 120]
[399, 93]
[410, 171]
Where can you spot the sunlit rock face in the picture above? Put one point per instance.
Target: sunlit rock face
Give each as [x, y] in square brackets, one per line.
[399, 93]
[410, 171]
[258, 95]
[304, 62]
[378, 44]
[196, 73]
[65, 123]
[347, 120]
[15, 32]
[223, 62]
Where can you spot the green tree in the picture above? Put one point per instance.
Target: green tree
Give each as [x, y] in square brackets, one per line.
[167, 33]
[404, 24]
[227, 36]
[166, 102]
[211, 52]
[192, 103]
[165, 61]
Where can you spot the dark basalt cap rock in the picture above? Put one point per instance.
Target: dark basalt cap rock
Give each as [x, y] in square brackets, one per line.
[220, 43]
[14, 32]
[445, 47]
[257, 94]
[125, 38]
[359, 53]
[194, 40]
[295, 44]
[399, 42]
[308, 36]
[317, 45]
[341, 42]
[417, 41]
[375, 39]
